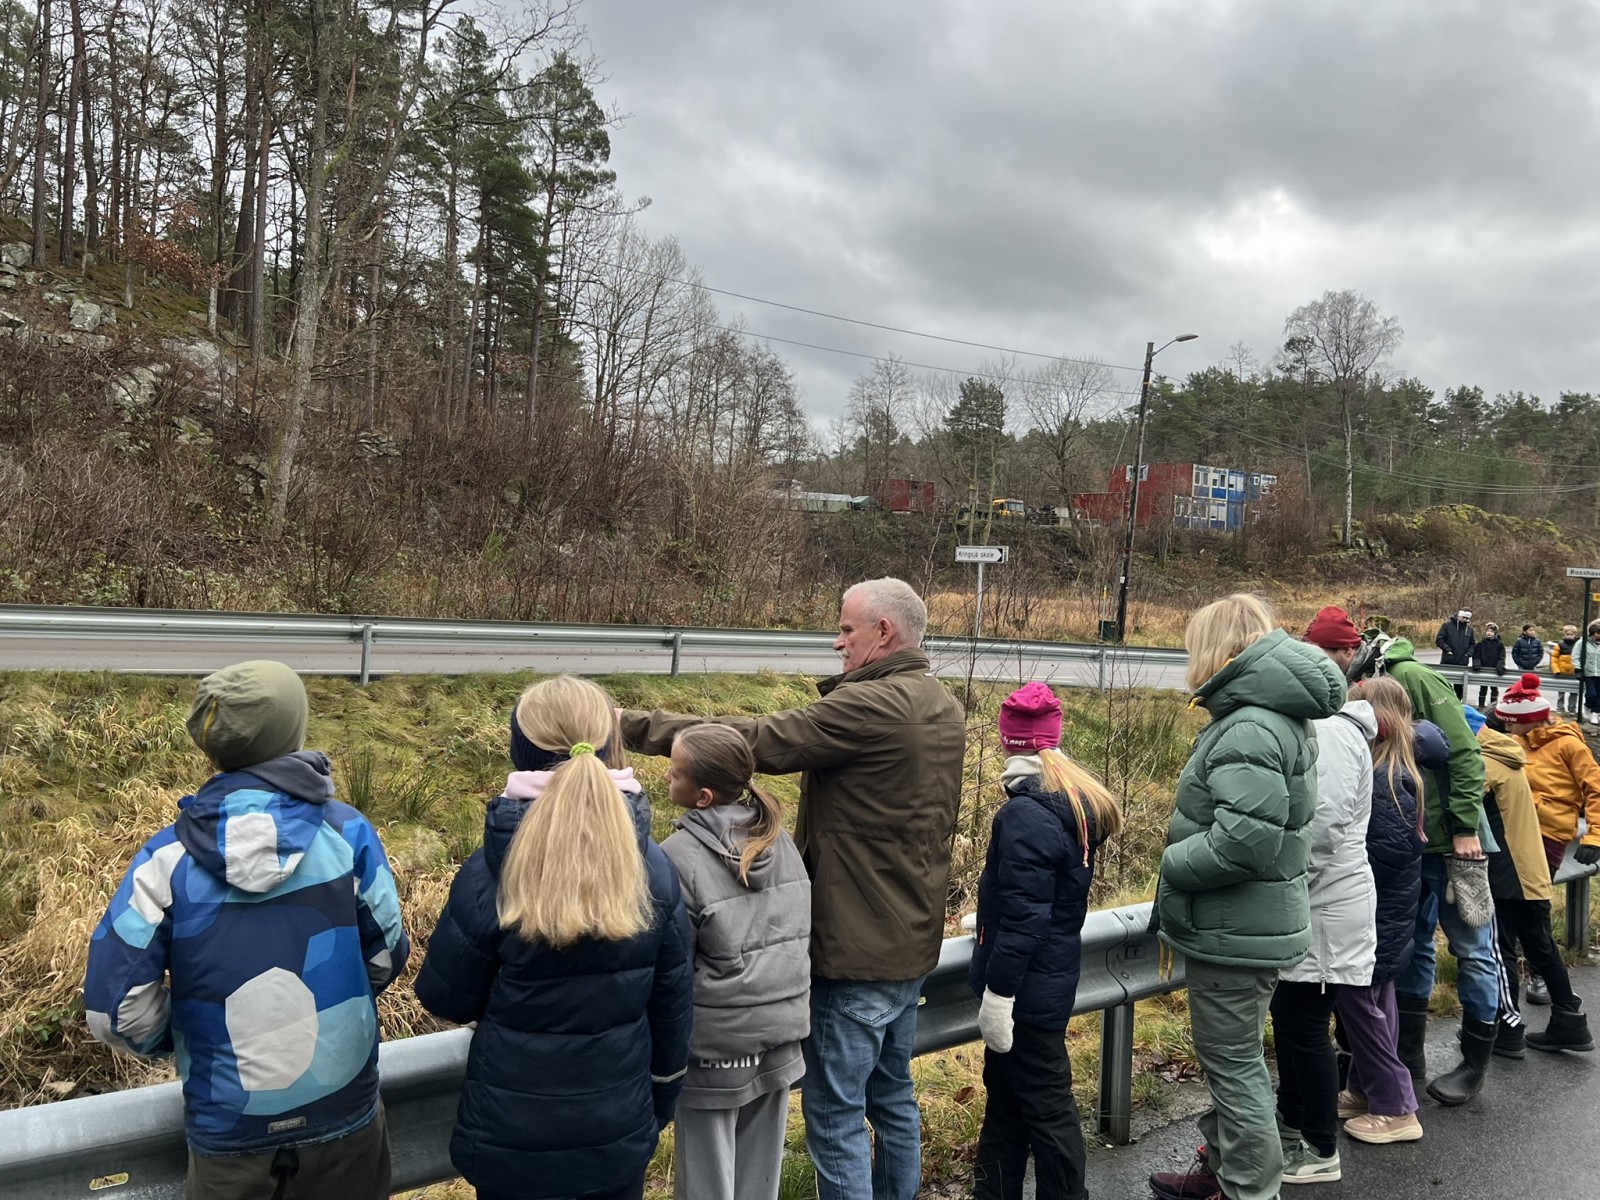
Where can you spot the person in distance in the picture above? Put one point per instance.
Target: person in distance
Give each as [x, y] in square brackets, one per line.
[1489, 654]
[265, 910]
[565, 939]
[1527, 652]
[1033, 897]
[1561, 664]
[1455, 640]
[1231, 895]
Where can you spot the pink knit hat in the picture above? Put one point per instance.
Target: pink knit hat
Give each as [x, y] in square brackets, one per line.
[1523, 703]
[1030, 719]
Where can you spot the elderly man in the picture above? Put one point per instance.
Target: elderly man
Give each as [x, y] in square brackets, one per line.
[882, 753]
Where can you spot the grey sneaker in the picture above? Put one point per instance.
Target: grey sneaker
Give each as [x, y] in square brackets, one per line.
[1302, 1164]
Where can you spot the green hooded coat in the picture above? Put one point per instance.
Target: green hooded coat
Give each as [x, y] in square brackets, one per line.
[1454, 796]
[1233, 876]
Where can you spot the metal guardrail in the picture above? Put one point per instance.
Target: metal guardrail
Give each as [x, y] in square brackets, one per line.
[130, 1144]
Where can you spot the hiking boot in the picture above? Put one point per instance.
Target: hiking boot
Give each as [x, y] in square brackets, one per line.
[1537, 992]
[1199, 1182]
[1351, 1104]
[1567, 1030]
[1412, 1042]
[1381, 1130]
[1509, 1041]
[1304, 1165]
[1466, 1081]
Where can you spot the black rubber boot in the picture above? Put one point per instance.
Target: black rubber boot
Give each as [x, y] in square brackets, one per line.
[1568, 1030]
[1414, 1036]
[1466, 1081]
[1509, 1041]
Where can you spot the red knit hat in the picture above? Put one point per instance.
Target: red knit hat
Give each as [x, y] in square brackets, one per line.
[1030, 719]
[1523, 703]
[1332, 629]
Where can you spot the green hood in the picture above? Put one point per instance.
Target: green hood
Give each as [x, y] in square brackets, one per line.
[1280, 674]
[1400, 650]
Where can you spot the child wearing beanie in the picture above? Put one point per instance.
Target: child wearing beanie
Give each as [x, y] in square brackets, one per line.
[1033, 896]
[266, 909]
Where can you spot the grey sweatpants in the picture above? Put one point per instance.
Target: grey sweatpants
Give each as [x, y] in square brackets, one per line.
[730, 1153]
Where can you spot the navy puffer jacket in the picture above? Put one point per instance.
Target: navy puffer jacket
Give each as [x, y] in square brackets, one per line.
[1032, 899]
[1394, 848]
[579, 1054]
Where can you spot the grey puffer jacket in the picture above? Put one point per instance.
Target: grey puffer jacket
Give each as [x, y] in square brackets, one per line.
[1339, 883]
[752, 959]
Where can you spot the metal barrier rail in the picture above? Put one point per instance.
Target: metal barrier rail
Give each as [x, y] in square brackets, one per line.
[130, 1144]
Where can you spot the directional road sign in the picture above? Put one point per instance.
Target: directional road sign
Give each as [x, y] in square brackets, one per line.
[982, 554]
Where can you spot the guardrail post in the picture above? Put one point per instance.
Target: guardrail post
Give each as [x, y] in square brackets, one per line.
[366, 653]
[1116, 1074]
[1101, 675]
[677, 651]
[1578, 914]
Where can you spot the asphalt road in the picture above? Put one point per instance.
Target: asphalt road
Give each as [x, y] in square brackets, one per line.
[198, 657]
[1533, 1134]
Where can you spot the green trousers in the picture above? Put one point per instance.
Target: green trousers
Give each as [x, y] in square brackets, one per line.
[354, 1167]
[1228, 1014]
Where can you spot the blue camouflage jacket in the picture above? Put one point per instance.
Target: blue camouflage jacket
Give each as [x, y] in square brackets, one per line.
[251, 939]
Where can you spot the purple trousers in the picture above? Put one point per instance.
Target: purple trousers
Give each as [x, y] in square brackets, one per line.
[1372, 1026]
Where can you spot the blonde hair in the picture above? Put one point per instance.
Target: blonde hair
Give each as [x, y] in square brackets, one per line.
[1394, 750]
[573, 869]
[1084, 789]
[716, 758]
[1221, 630]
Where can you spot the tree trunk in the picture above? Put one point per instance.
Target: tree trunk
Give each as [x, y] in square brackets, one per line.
[114, 227]
[41, 111]
[258, 248]
[309, 299]
[370, 404]
[1349, 470]
[91, 165]
[69, 130]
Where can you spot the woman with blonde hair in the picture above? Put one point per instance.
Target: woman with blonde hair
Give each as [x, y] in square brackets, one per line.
[565, 939]
[1033, 896]
[1231, 897]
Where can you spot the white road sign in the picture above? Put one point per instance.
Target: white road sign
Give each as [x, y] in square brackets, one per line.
[1572, 572]
[982, 554]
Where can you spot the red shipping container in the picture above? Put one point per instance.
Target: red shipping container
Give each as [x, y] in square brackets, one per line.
[905, 495]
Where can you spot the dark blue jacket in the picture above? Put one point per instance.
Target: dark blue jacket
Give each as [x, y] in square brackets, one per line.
[579, 1054]
[1527, 652]
[1032, 899]
[1489, 655]
[1395, 848]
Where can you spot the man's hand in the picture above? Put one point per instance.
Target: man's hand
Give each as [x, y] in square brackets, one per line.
[1467, 847]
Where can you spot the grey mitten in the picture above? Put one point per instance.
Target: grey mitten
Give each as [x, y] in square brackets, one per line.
[1467, 888]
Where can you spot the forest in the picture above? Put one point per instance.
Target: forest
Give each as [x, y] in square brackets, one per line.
[457, 371]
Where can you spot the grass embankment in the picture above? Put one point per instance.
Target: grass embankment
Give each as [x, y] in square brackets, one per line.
[91, 765]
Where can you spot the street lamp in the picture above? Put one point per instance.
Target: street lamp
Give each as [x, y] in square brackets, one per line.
[1150, 352]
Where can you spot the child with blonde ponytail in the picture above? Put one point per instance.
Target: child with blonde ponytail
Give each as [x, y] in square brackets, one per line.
[565, 939]
[1033, 896]
[749, 903]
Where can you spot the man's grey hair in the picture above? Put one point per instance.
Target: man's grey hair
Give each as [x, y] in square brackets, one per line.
[897, 602]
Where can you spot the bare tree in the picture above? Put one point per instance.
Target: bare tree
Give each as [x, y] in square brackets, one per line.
[879, 404]
[1347, 338]
[1059, 399]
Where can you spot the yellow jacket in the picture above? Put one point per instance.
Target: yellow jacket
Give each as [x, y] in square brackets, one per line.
[1565, 780]
[1560, 661]
[1506, 782]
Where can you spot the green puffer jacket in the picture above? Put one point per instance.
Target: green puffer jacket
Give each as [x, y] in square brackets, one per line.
[1454, 796]
[1233, 876]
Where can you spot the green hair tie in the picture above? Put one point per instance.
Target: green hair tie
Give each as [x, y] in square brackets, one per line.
[580, 748]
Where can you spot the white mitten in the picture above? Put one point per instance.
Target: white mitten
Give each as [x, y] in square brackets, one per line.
[994, 1021]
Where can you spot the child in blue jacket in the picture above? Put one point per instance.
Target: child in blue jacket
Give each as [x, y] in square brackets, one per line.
[251, 938]
[1033, 896]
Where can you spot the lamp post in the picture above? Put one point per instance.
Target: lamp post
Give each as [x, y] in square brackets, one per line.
[1150, 352]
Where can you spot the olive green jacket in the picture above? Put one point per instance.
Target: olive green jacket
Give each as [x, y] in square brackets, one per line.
[1233, 876]
[1453, 797]
[882, 751]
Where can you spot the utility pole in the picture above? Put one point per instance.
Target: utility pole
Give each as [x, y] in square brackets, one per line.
[1150, 353]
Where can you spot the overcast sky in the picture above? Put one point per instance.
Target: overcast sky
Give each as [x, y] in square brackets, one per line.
[1079, 178]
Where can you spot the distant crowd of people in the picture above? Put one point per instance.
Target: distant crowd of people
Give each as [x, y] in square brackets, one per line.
[1460, 646]
[1339, 806]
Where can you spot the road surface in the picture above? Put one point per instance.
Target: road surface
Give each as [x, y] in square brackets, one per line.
[1531, 1134]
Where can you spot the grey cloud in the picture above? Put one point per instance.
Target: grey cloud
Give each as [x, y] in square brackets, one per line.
[1083, 177]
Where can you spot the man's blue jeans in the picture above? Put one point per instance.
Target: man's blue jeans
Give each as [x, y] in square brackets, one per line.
[858, 1070]
[1477, 980]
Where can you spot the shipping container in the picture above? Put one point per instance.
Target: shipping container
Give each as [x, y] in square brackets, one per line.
[905, 495]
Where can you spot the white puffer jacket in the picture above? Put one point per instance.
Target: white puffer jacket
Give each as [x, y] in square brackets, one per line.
[1344, 901]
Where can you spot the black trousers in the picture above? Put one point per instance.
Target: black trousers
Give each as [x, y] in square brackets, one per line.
[1030, 1110]
[630, 1191]
[1308, 1076]
[1528, 921]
